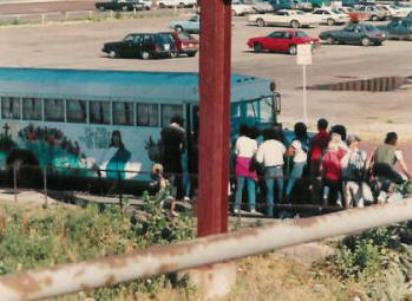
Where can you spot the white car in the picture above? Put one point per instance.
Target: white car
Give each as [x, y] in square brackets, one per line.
[241, 8]
[176, 3]
[285, 17]
[392, 10]
[404, 8]
[331, 16]
[262, 6]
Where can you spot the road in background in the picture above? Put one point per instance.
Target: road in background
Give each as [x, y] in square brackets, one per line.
[45, 7]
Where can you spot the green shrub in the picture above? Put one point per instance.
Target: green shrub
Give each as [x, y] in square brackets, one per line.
[44, 238]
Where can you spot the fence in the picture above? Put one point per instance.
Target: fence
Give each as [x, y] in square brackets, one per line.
[90, 15]
[34, 285]
[83, 185]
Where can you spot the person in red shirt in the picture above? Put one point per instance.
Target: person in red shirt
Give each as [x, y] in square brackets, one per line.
[332, 171]
[317, 148]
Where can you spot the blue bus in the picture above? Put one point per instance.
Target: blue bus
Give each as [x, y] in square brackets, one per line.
[97, 123]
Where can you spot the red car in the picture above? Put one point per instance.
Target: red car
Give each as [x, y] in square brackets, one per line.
[185, 43]
[282, 41]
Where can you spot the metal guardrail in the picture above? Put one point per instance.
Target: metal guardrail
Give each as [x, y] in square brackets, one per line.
[35, 285]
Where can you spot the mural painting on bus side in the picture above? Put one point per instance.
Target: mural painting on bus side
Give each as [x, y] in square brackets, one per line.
[154, 149]
[52, 148]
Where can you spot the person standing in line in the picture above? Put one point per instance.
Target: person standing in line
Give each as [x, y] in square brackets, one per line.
[318, 146]
[173, 138]
[353, 173]
[332, 171]
[270, 154]
[245, 149]
[298, 149]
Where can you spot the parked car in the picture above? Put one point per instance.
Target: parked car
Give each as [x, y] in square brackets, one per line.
[331, 16]
[124, 5]
[355, 33]
[185, 43]
[242, 7]
[191, 25]
[142, 45]
[176, 3]
[373, 12]
[392, 10]
[282, 41]
[284, 17]
[400, 29]
[262, 6]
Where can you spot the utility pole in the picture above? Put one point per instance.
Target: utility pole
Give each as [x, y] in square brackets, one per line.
[214, 115]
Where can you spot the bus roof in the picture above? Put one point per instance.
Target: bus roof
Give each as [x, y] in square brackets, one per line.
[164, 87]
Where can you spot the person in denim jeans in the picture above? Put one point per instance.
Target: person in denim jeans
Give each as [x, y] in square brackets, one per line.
[270, 154]
[298, 149]
[245, 149]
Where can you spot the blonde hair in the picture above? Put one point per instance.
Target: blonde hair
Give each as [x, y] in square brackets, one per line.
[335, 141]
[157, 168]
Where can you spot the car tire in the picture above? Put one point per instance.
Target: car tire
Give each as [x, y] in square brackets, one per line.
[173, 54]
[145, 55]
[260, 22]
[330, 22]
[101, 8]
[191, 54]
[181, 5]
[330, 40]
[124, 8]
[365, 41]
[257, 47]
[234, 13]
[375, 18]
[294, 24]
[179, 28]
[113, 54]
[293, 50]
[162, 5]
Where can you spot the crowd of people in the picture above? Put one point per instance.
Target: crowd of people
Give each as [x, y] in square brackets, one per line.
[330, 160]
[278, 167]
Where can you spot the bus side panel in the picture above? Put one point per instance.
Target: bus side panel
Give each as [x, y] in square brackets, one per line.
[83, 148]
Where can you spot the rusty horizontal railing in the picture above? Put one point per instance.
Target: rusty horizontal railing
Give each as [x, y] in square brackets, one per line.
[56, 281]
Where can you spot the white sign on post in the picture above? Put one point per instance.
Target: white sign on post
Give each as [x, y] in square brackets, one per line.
[304, 57]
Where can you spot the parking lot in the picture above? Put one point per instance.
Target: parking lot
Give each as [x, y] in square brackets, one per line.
[78, 45]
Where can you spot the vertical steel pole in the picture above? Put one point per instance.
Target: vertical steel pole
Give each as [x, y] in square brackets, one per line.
[305, 96]
[215, 54]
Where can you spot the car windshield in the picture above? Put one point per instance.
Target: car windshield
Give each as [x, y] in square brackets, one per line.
[336, 11]
[193, 19]
[184, 36]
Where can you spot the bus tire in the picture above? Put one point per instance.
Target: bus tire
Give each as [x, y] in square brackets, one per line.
[28, 172]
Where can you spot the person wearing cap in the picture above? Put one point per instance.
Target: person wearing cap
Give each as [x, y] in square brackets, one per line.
[384, 159]
[353, 172]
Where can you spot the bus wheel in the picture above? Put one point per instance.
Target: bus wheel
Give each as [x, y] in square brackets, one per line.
[23, 167]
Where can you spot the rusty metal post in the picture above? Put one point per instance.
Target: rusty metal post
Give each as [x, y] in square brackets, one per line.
[46, 200]
[15, 182]
[214, 79]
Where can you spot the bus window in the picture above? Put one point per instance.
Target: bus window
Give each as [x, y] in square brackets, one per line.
[266, 110]
[123, 113]
[147, 114]
[76, 111]
[169, 111]
[10, 108]
[32, 109]
[54, 110]
[99, 112]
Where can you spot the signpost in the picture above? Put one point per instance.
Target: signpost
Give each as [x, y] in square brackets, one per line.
[304, 58]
